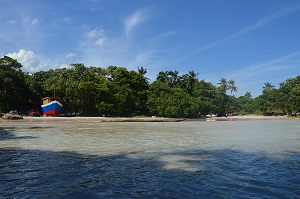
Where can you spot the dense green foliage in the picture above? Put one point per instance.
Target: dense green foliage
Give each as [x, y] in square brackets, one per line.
[118, 92]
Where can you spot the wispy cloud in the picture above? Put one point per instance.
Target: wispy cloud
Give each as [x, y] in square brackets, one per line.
[12, 21]
[35, 21]
[70, 55]
[277, 69]
[166, 34]
[266, 20]
[4, 36]
[134, 20]
[259, 24]
[278, 64]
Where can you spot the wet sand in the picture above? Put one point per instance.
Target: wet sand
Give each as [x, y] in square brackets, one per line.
[252, 117]
[111, 119]
[160, 119]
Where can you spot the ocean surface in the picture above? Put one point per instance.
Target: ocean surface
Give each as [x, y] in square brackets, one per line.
[81, 158]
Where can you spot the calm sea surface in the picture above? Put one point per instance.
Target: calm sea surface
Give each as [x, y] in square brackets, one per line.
[57, 158]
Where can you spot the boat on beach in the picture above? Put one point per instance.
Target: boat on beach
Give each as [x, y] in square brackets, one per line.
[51, 106]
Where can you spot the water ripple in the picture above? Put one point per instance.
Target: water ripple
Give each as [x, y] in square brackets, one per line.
[224, 174]
[150, 160]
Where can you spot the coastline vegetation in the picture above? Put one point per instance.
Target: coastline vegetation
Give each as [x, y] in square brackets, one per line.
[115, 91]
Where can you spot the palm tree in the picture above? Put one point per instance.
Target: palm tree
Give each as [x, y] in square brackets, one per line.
[183, 80]
[173, 78]
[162, 76]
[142, 71]
[231, 86]
[192, 78]
[248, 95]
[268, 86]
[223, 83]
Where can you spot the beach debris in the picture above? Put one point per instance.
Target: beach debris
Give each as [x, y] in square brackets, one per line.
[12, 115]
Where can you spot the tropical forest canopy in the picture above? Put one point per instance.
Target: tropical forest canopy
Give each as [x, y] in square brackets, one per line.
[116, 91]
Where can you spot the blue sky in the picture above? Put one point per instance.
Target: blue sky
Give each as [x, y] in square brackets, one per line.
[249, 41]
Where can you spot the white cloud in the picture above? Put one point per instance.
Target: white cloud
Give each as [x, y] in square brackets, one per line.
[134, 20]
[70, 55]
[100, 42]
[28, 60]
[12, 21]
[67, 20]
[97, 36]
[35, 21]
[142, 58]
[92, 34]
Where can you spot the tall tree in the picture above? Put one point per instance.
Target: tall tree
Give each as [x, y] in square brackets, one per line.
[295, 99]
[142, 72]
[268, 86]
[173, 79]
[169, 77]
[245, 104]
[14, 92]
[284, 98]
[268, 100]
[248, 95]
[162, 76]
[231, 86]
[223, 83]
[192, 79]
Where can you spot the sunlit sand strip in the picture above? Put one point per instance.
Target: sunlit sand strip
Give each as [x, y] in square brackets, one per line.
[179, 162]
[109, 119]
[171, 162]
[249, 117]
[154, 119]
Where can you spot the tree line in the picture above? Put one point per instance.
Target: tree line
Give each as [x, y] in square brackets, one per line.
[117, 91]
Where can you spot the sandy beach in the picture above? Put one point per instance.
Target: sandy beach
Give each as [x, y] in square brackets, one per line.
[161, 119]
[110, 119]
[251, 117]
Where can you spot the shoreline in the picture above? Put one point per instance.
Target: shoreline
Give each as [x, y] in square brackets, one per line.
[160, 119]
[249, 117]
[110, 119]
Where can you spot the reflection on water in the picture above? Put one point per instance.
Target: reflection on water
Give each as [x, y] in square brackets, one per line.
[74, 159]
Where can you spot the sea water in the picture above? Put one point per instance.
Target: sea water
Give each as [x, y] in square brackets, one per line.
[87, 158]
